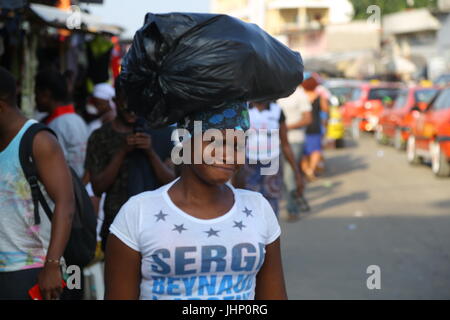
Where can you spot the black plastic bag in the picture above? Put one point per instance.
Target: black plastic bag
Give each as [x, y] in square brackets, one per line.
[180, 63]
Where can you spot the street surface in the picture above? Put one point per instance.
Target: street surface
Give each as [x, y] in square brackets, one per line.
[370, 208]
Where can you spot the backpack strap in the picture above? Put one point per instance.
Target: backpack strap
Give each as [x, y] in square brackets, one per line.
[30, 170]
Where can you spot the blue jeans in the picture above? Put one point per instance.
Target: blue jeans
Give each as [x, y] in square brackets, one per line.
[289, 178]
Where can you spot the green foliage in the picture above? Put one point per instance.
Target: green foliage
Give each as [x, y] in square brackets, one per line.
[388, 6]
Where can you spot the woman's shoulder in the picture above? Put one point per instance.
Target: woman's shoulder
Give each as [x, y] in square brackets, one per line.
[148, 196]
[249, 195]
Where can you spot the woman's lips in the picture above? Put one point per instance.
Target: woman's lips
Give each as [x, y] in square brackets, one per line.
[226, 168]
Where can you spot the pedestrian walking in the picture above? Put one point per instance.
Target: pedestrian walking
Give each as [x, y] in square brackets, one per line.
[198, 234]
[297, 109]
[312, 153]
[267, 139]
[30, 250]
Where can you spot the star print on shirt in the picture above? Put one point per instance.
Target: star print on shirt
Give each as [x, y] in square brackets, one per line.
[179, 228]
[161, 216]
[212, 232]
[239, 225]
[248, 212]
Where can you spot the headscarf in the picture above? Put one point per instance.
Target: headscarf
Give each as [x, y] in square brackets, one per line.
[231, 116]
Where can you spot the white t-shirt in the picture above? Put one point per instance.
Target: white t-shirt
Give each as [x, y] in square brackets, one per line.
[73, 135]
[101, 212]
[187, 258]
[293, 107]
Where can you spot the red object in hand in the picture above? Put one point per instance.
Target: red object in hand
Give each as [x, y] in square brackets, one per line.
[35, 292]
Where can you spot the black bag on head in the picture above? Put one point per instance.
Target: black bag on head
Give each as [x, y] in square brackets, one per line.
[80, 249]
[180, 63]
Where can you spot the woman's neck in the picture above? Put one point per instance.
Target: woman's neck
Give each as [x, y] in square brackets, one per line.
[197, 191]
[199, 199]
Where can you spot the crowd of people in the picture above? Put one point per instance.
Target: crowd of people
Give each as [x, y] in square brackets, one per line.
[120, 159]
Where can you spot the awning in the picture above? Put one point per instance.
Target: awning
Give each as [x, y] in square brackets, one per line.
[67, 20]
[410, 21]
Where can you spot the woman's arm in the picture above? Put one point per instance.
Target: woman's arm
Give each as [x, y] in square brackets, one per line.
[324, 105]
[270, 283]
[122, 271]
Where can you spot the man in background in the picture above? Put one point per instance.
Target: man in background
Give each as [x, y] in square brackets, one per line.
[52, 97]
[124, 158]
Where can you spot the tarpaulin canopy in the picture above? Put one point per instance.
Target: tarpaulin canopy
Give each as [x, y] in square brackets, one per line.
[63, 18]
[410, 21]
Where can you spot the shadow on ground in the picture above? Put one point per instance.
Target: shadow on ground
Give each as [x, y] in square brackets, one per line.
[341, 164]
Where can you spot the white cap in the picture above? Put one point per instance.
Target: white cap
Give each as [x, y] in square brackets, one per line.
[104, 91]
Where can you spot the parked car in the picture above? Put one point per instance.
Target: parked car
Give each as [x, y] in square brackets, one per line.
[443, 80]
[395, 123]
[342, 88]
[363, 110]
[430, 135]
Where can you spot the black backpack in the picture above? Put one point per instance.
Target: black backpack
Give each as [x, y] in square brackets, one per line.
[80, 249]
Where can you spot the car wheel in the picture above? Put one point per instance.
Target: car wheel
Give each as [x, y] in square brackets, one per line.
[411, 151]
[439, 162]
[355, 129]
[398, 140]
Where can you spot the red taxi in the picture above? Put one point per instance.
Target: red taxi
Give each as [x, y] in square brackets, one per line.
[430, 135]
[363, 110]
[395, 123]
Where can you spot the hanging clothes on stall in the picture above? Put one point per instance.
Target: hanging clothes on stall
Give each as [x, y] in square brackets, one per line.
[99, 57]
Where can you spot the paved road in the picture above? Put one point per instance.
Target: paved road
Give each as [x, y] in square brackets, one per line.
[371, 208]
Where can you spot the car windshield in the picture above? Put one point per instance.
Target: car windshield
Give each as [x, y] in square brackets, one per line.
[425, 95]
[422, 95]
[442, 101]
[380, 93]
[356, 94]
[342, 93]
[444, 79]
[402, 97]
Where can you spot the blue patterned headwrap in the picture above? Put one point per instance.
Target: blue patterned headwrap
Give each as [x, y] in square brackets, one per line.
[231, 116]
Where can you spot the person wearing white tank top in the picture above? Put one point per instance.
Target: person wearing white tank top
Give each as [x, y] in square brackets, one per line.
[30, 252]
[268, 133]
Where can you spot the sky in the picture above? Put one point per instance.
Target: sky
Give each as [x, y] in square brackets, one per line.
[130, 13]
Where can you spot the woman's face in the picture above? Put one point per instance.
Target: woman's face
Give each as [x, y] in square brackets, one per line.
[221, 157]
